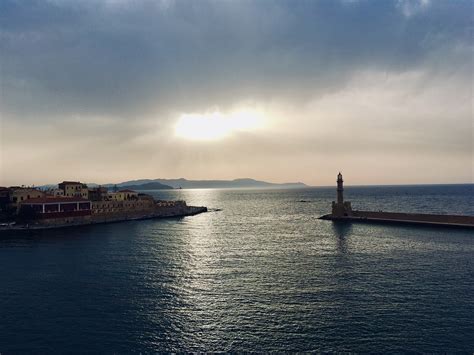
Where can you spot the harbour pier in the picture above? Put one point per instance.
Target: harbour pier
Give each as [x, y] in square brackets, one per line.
[342, 212]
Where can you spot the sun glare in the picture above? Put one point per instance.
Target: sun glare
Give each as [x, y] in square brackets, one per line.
[216, 125]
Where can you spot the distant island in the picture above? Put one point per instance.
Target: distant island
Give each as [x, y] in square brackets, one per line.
[160, 184]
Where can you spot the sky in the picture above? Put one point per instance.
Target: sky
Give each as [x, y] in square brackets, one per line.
[278, 90]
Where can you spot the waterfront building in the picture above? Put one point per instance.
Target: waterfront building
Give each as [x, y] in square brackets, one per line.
[54, 193]
[19, 194]
[128, 195]
[98, 193]
[74, 189]
[58, 207]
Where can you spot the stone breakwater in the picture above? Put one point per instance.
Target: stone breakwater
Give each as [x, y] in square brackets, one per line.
[180, 210]
[405, 218]
[342, 211]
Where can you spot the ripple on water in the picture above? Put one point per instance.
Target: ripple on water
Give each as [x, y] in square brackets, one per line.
[262, 274]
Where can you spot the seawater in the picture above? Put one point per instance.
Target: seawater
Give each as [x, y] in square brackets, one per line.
[262, 274]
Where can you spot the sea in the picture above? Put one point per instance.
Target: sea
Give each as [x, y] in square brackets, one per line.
[259, 272]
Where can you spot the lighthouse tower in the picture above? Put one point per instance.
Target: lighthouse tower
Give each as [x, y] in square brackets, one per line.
[341, 208]
[340, 189]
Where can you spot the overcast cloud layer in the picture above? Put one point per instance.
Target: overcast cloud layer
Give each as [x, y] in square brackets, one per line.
[381, 90]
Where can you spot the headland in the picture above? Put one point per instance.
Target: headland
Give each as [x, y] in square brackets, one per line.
[74, 203]
[342, 211]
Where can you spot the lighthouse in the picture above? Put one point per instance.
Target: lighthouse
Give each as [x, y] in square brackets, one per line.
[340, 189]
[341, 208]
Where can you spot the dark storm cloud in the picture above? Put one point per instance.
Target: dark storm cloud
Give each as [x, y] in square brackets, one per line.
[129, 58]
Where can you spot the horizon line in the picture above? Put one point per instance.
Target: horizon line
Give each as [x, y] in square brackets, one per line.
[276, 183]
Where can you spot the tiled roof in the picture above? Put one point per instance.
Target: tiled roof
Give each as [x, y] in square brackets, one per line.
[17, 188]
[72, 182]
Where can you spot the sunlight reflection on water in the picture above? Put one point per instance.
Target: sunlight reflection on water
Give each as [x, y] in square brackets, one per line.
[262, 274]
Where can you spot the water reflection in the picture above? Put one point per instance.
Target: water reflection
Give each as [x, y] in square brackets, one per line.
[342, 230]
[261, 274]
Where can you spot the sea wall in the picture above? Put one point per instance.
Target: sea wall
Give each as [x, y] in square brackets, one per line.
[110, 207]
[415, 217]
[157, 211]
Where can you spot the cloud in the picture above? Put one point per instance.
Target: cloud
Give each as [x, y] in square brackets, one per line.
[413, 7]
[118, 70]
[132, 57]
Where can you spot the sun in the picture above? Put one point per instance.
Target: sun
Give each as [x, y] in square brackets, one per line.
[216, 125]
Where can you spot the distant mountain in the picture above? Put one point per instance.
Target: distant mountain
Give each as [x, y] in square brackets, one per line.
[168, 184]
[146, 184]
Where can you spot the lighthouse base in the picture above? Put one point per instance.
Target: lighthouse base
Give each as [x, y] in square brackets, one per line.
[341, 209]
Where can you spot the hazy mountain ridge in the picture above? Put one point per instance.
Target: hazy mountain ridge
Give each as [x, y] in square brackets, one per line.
[146, 186]
[162, 184]
[209, 184]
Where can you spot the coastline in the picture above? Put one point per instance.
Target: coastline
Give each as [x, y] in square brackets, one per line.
[188, 211]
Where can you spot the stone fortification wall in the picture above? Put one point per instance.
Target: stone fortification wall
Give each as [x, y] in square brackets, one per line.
[106, 207]
[111, 211]
[135, 205]
[154, 212]
[415, 217]
[76, 220]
